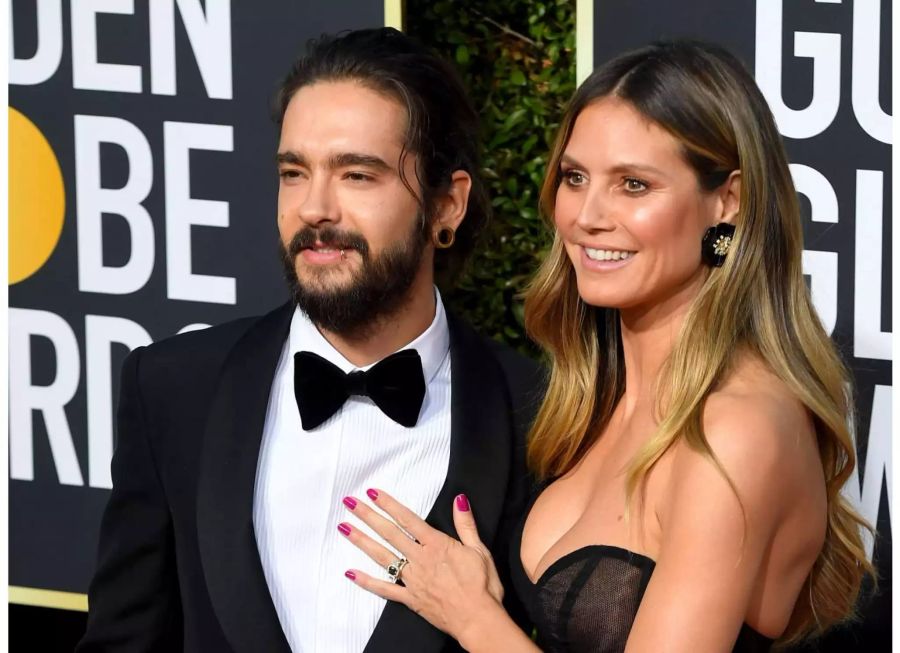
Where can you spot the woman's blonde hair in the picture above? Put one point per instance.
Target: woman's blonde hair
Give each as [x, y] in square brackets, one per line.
[757, 301]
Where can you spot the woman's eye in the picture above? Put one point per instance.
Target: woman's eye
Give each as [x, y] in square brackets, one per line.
[633, 185]
[574, 178]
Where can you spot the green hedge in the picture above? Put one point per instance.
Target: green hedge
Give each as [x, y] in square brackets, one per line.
[517, 58]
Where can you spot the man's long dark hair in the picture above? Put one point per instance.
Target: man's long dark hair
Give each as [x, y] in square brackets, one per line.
[442, 124]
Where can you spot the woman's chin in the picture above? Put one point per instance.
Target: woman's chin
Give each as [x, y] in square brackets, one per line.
[602, 298]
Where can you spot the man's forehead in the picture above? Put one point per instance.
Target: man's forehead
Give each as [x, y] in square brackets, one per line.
[346, 96]
[346, 116]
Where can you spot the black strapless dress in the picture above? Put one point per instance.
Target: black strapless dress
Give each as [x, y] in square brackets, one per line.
[587, 600]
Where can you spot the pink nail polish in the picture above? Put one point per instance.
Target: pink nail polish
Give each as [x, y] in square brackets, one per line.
[350, 502]
[373, 494]
[344, 528]
[462, 503]
[349, 574]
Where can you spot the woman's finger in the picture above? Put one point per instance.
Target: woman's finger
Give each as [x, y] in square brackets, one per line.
[467, 529]
[387, 529]
[380, 554]
[382, 588]
[464, 521]
[405, 518]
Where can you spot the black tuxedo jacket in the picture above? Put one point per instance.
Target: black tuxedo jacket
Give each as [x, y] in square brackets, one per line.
[178, 567]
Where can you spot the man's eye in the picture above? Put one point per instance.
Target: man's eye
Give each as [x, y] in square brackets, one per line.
[289, 174]
[633, 185]
[358, 176]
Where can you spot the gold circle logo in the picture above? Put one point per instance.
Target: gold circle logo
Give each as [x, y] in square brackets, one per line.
[37, 198]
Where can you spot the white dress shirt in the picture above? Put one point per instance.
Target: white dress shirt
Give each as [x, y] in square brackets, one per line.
[302, 476]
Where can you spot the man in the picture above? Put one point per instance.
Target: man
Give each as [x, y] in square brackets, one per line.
[237, 444]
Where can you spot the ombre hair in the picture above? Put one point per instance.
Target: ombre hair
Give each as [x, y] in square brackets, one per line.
[757, 302]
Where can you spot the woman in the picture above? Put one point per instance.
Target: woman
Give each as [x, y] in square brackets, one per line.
[694, 434]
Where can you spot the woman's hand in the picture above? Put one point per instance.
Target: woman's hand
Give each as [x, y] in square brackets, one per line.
[451, 583]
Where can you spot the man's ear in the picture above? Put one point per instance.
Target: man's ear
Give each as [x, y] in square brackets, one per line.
[451, 206]
[729, 198]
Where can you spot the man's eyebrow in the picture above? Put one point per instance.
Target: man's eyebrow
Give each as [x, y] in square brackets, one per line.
[335, 161]
[348, 159]
[289, 156]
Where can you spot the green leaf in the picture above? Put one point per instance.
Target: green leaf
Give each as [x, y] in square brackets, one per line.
[529, 143]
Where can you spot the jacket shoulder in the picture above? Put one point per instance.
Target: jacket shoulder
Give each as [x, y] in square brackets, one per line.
[195, 348]
[194, 356]
[526, 379]
[520, 370]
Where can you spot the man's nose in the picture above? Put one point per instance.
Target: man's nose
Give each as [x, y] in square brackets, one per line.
[319, 205]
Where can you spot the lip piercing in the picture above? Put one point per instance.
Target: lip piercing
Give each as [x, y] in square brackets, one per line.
[343, 255]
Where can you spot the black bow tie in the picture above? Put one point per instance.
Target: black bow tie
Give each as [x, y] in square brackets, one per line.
[396, 385]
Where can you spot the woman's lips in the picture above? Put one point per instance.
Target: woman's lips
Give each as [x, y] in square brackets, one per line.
[604, 265]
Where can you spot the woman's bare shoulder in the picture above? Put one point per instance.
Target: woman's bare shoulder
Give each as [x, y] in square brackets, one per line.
[754, 401]
[762, 436]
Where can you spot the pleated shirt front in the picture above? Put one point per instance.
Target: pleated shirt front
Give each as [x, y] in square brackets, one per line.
[302, 476]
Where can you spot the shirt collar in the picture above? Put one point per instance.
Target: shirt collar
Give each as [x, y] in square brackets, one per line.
[433, 344]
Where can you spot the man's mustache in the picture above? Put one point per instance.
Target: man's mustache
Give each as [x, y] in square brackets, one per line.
[307, 237]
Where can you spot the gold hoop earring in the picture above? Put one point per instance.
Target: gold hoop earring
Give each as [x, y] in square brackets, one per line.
[444, 238]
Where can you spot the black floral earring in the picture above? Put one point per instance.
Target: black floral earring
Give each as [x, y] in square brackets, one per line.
[716, 243]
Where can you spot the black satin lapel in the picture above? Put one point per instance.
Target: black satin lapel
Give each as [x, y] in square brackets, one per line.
[231, 563]
[481, 435]
[480, 456]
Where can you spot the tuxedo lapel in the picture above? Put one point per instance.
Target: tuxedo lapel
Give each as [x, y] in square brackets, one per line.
[231, 563]
[481, 437]
[480, 456]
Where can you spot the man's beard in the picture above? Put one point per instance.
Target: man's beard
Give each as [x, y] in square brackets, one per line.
[378, 289]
